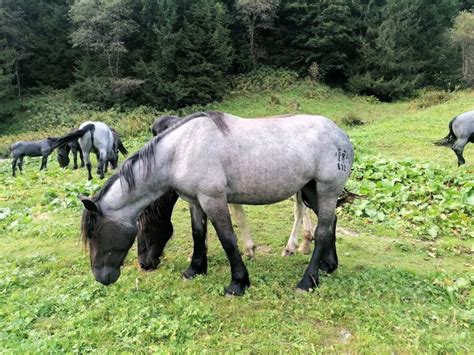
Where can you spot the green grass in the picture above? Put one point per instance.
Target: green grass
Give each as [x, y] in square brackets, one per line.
[395, 290]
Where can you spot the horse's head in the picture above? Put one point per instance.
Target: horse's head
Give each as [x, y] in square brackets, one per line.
[63, 155]
[109, 241]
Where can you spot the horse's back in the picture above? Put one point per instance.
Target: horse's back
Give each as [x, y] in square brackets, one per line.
[102, 137]
[280, 154]
[463, 125]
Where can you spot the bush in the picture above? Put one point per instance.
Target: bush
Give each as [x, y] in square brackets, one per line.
[351, 119]
[106, 92]
[383, 89]
[430, 98]
[264, 79]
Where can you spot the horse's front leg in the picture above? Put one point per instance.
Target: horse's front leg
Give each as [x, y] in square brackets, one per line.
[199, 256]
[238, 212]
[218, 212]
[155, 229]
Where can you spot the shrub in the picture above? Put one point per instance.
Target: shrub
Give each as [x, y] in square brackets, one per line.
[351, 119]
[431, 98]
[264, 79]
[383, 89]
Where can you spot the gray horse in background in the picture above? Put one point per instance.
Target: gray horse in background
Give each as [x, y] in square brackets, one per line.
[212, 159]
[42, 148]
[75, 149]
[461, 132]
[97, 137]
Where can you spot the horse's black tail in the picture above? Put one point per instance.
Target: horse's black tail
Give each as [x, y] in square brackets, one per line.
[347, 197]
[75, 135]
[122, 148]
[449, 140]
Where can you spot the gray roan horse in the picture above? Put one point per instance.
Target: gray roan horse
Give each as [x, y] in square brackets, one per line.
[151, 219]
[211, 159]
[42, 148]
[94, 136]
[461, 132]
[75, 149]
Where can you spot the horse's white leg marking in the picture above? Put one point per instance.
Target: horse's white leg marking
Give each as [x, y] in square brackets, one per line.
[308, 230]
[293, 240]
[240, 218]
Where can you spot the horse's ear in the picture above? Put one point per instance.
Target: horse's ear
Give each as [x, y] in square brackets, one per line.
[89, 204]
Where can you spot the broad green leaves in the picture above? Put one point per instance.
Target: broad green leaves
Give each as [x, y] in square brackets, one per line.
[416, 198]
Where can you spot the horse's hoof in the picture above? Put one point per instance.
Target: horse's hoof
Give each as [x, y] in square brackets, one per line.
[304, 249]
[301, 291]
[250, 253]
[287, 252]
[191, 273]
[234, 290]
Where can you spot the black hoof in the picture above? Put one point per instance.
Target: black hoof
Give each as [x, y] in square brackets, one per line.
[148, 266]
[234, 290]
[308, 283]
[328, 267]
[191, 273]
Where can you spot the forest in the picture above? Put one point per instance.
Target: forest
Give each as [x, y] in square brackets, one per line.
[170, 54]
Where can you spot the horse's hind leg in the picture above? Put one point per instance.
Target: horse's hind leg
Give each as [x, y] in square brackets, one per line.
[15, 159]
[218, 212]
[458, 148]
[323, 200]
[305, 247]
[199, 258]
[298, 209]
[88, 165]
[44, 161]
[20, 163]
[102, 163]
[238, 212]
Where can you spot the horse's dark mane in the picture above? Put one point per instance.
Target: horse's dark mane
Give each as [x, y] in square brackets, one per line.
[88, 225]
[147, 153]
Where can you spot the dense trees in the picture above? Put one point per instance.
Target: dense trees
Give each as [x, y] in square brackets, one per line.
[171, 53]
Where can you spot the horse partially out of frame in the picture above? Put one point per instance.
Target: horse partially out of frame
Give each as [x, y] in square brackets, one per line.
[461, 132]
[211, 159]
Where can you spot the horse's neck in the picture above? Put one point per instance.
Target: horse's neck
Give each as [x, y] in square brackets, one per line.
[127, 204]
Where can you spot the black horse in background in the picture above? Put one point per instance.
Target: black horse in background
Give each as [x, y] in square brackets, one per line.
[75, 148]
[42, 148]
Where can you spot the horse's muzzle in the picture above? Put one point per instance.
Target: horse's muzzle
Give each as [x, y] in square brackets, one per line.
[106, 275]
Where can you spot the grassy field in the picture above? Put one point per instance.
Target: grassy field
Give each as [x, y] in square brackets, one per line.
[404, 284]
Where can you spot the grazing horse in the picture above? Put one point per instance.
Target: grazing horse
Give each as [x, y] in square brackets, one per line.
[42, 148]
[75, 148]
[301, 214]
[461, 132]
[94, 136]
[211, 159]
